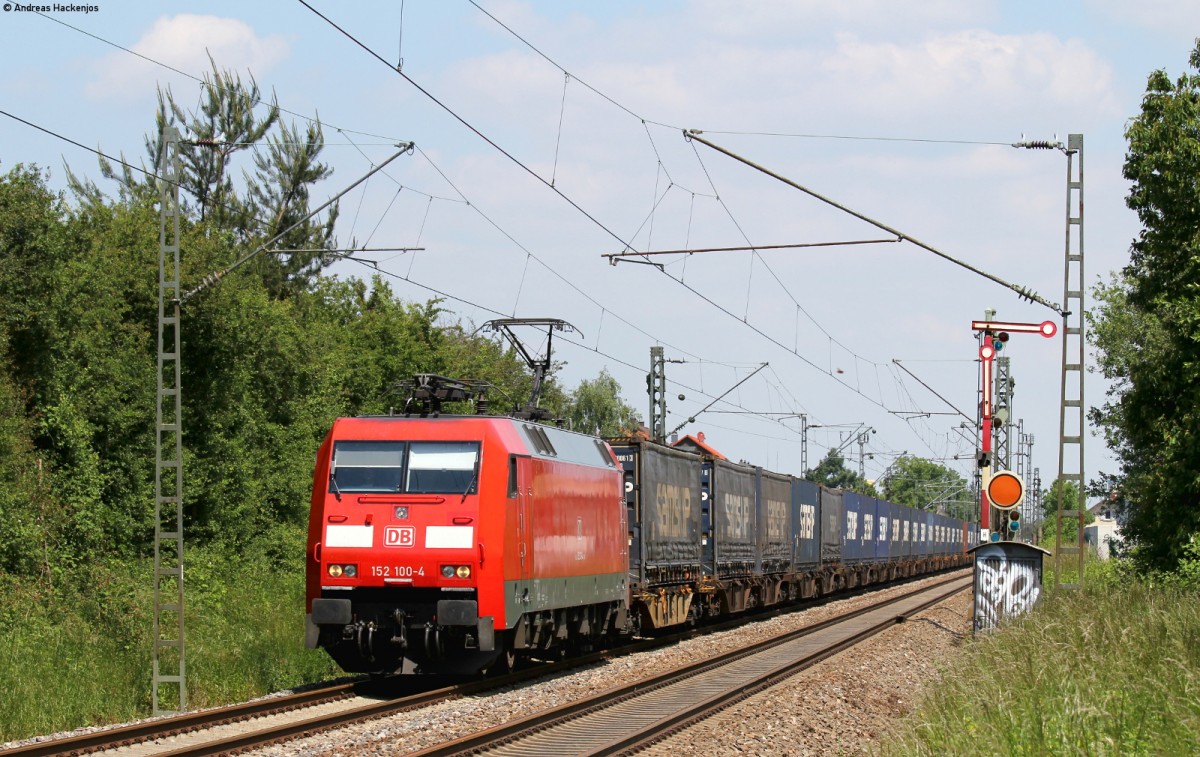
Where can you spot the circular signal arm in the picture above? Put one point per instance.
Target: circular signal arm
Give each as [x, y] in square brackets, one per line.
[1005, 489]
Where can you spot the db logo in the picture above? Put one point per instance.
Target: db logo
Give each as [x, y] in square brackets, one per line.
[399, 536]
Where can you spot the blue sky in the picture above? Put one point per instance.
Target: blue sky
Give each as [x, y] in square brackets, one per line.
[907, 109]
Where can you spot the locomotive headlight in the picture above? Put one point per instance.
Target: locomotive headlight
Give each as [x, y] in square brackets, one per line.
[335, 571]
[463, 571]
[350, 571]
[401, 513]
[448, 571]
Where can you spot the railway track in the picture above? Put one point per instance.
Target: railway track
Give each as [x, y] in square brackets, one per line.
[246, 726]
[630, 718]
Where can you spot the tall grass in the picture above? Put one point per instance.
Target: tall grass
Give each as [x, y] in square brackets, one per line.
[63, 664]
[1110, 669]
[79, 654]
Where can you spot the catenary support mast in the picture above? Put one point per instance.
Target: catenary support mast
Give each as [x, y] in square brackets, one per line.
[169, 682]
[1072, 414]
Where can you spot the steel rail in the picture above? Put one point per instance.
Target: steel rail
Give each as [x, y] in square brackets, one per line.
[192, 722]
[680, 721]
[538, 723]
[127, 735]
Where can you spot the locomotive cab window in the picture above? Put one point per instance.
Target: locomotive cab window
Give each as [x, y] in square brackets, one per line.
[405, 467]
[366, 467]
[442, 467]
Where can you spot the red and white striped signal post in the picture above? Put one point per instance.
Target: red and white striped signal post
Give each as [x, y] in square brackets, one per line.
[994, 331]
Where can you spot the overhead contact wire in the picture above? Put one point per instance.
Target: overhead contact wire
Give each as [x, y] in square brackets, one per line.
[539, 178]
[465, 123]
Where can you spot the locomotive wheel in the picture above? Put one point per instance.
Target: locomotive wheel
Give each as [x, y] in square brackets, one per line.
[505, 661]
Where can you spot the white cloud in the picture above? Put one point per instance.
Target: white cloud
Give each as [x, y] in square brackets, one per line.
[951, 80]
[185, 42]
[976, 65]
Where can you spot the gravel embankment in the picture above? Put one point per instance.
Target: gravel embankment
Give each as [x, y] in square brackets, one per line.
[840, 706]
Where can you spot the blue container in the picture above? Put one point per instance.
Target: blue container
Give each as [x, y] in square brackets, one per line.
[858, 509]
[879, 535]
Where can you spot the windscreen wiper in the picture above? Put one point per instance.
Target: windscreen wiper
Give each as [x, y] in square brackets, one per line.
[470, 486]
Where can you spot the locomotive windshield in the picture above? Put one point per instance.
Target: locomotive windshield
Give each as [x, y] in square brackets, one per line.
[441, 467]
[406, 467]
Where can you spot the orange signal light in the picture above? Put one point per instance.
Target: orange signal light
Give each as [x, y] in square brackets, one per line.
[1005, 489]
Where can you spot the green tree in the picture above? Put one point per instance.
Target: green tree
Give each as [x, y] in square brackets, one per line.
[924, 484]
[1147, 326]
[81, 353]
[275, 197]
[596, 407]
[832, 471]
[279, 193]
[224, 125]
[1070, 499]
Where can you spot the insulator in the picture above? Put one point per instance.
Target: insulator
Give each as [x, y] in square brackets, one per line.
[1038, 144]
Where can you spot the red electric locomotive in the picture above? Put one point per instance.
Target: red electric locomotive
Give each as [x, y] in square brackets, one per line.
[443, 543]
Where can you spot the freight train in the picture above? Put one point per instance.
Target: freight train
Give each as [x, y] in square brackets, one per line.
[461, 543]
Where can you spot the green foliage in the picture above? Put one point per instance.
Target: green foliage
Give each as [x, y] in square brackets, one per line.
[1189, 565]
[1049, 514]
[270, 356]
[75, 653]
[27, 519]
[246, 620]
[224, 125]
[279, 192]
[78, 654]
[832, 471]
[926, 485]
[596, 407]
[1110, 669]
[1147, 327]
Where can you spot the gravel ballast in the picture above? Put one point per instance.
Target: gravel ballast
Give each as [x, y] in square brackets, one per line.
[840, 706]
[843, 705]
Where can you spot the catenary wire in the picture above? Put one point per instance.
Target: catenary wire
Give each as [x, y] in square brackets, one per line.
[440, 293]
[561, 194]
[345, 130]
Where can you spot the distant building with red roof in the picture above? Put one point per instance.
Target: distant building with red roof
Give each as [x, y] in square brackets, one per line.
[696, 445]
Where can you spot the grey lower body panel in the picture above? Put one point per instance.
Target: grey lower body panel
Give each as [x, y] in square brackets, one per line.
[538, 594]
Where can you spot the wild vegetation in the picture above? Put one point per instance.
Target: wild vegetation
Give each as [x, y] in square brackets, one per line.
[273, 354]
[1113, 668]
[270, 357]
[1147, 329]
[1108, 669]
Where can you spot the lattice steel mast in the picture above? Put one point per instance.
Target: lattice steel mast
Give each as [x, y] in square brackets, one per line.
[1072, 414]
[169, 659]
